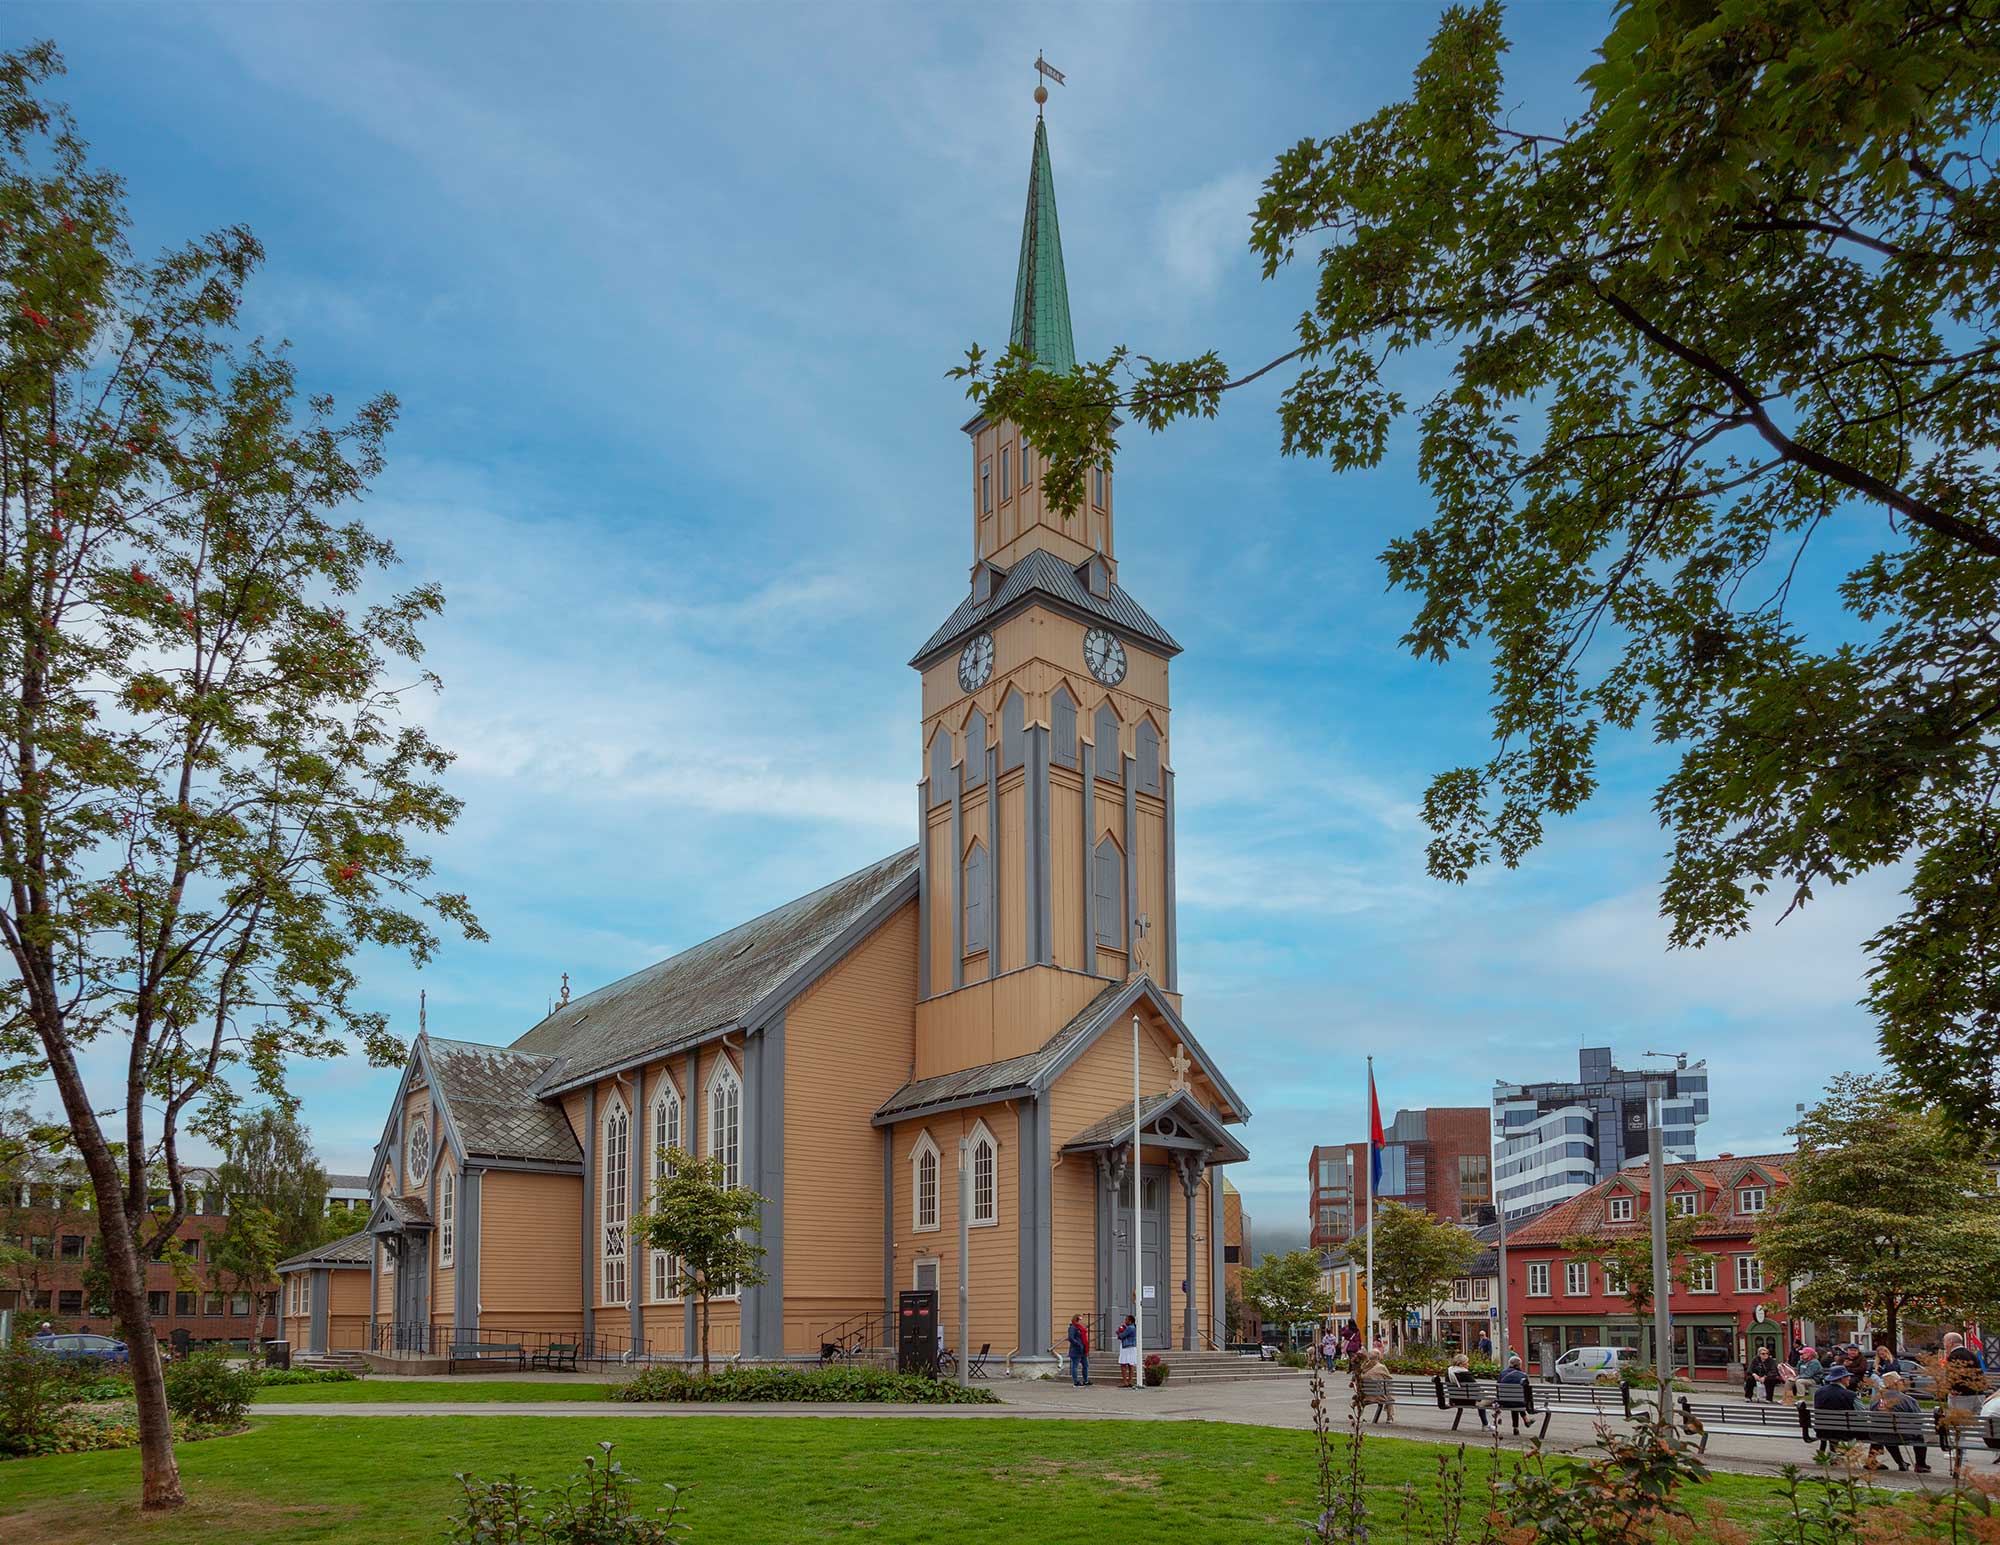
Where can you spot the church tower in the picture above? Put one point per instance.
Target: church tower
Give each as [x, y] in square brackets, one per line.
[1046, 805]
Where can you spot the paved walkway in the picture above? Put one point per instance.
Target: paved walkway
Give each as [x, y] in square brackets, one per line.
[1277, 1402]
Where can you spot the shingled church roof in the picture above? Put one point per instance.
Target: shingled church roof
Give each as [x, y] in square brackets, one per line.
[489, 1094]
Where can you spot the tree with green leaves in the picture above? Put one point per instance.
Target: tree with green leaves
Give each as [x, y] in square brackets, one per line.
[269, 1168]
[1625, 1257]
[705, 1226]
[210, 794]
[1416, 1259]
[1285, 1289]
[1890, 1210]
[244, 1257]
[1731, 325]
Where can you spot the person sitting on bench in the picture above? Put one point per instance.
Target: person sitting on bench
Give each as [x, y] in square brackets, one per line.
[1459, 1377]
[1896, 1396]
[1834, 1395]
[1513, 1375]
[1372, 1388]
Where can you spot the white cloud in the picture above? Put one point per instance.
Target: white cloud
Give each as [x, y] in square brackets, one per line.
[1200, 232]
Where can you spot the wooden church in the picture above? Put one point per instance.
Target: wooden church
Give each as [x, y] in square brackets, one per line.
[982, 984]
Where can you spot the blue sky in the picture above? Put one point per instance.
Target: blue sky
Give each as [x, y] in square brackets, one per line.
[668, 294]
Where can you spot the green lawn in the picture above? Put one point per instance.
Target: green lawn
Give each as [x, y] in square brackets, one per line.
[428, 1391]
[768, 1479]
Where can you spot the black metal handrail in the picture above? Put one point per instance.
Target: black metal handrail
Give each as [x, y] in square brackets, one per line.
[851, 1337]
[421, 1339]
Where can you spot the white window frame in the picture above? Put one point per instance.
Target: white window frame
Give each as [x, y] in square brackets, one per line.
[725, 1126]
[663, 1129]
[1743, 1205]
[1614, 1280]
[1683, 1204]
[987, 1215]
[1618, 1209]
[936, 1265]
[1538, 1271]
[614, 1201]
[925, 1149]
[447, 1219]
[1749, 1274]
[1575, 1272]
[1482, 1290]
[1701, 1276]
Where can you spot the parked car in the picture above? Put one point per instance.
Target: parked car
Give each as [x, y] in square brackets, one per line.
[82, 1348]
[1990, 1407]
[1585, 1365]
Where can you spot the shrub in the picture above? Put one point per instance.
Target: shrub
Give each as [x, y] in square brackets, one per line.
[103, 1386]
[269, 1377]
[35, 1390]
[204, 1387]
[1156, 1371]
[598, 1507]
[818, 1385]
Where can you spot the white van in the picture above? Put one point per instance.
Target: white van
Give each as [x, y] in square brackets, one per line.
[1585, 1365]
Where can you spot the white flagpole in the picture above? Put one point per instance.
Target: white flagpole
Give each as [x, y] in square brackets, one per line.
[1369, 1330]
[1138, 1224]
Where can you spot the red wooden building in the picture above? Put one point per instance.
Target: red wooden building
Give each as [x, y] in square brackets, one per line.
[1557, 1300]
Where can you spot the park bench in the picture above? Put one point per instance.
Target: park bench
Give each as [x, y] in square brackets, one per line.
[1594, 1399]
[1958, 1430]
[557, 1357]
[1862, 1425]
[1384, 1393]
[486, 1352]
[1752, 1418]
[1471, 1395]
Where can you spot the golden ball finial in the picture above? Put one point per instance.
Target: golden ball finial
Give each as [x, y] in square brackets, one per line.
[1041, 95]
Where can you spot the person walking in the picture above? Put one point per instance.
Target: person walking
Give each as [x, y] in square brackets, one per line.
[1485, 1344]
[1128, 1353]
[1079, 1351]
[1895, 1396]
[1763, 1370]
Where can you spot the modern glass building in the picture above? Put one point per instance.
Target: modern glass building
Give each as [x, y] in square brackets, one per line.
[1557, 1140]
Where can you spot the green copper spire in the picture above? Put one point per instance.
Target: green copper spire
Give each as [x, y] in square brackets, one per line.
[1041, 293]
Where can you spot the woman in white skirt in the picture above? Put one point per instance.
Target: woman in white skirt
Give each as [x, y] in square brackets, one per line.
[1128, 1353]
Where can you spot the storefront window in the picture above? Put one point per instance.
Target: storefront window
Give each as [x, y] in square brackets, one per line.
[1714, 1346]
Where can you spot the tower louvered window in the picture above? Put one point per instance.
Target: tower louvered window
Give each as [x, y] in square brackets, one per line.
[978, 935]
[617, 1196]
[1106, 750]
[1062, 728]
[1109, 872]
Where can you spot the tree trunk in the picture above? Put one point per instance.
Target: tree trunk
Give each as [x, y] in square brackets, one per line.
[704, 1335]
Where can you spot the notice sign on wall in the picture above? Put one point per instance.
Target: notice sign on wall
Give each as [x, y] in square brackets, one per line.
[1147, 1293]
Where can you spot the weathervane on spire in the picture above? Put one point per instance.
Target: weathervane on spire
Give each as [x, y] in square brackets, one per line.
[1043, 67]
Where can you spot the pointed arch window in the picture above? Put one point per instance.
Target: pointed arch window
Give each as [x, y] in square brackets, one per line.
[447, 1218]
[615, 1194]
[985, 1177]
[1013, 729]
[978, 925]
[975, 749]
[664, 1131]
[1108, 871]
[1106, 738]
[1146, 743]
[940, 767]
[1062, 728]
[725, 1121]
[924, 1184]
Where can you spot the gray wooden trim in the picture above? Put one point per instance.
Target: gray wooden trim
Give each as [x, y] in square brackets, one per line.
[533, 1166]
[391, 1144]
[888, 1231]
[635, 1201]
[374, 1284]
[465, 1251]
[1170, 965]
[963, 1102]
[1190, 1183]
[1035, 803]
[749, 1300]
[1217, 1308]
[957, 867]
[1107, 1242]
[434, 1258]
[320, 1285]
[1131, 770]
[440, 1111]
[923, 892]
[1086, 754]
[590, 1211]
[691, 1115]
[770, 1137]
[993, 863]
[1030, 1330]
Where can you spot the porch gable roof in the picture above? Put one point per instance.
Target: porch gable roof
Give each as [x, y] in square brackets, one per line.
[1175, 1107]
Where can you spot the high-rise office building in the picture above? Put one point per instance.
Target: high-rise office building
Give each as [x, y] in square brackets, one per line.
[1557, 1140]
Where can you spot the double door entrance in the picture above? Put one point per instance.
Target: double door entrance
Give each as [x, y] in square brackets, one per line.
[1155, 1318]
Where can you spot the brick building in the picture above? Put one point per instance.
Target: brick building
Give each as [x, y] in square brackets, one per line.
[1236, 1246]
[1436, 1160]
[1556, 1301]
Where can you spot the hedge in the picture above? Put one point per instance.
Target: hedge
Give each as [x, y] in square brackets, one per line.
[819, 1385]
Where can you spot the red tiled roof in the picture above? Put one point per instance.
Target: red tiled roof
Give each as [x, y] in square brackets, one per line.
[1586, 1214]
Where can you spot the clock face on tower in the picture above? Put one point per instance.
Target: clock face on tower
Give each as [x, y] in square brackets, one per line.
[975, 663]
[1105, 656]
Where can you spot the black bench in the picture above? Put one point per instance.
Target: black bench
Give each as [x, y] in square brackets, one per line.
[486, 1352]
[1752, 1418]
[1385, 1392]
[557, 1357]
[1459, 1396]
[1596, 1399]
[1958, 1428]
[1862, 1425]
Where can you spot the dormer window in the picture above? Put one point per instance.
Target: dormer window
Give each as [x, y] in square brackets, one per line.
[1683, 1204]
[1750, 1199]
[1620, 1210]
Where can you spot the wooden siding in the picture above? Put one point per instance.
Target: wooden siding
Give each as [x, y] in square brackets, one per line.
[995, 1249]
[529, 1251]
[849, 1041]
[987, 1021]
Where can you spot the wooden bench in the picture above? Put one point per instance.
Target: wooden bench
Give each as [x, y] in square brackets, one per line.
[1752, 1418]
[557, 1357]
[1457, 1397]
[1383, 1393]
[1863, 1425]
[487, 1352]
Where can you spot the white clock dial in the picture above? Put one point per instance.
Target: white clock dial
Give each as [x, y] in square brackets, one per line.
[975, 663]
[1104, 655]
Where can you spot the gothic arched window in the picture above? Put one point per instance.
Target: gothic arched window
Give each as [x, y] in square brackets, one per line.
[1062, 728]
[1106, 736]
[1146, 743]
[985, 1177]
[975, 749]
[940, 767]
[665, 1133]
[725, 1120]
[924, 1184]
[1013, 729]
[1108, 872]
[978, 933]
[616, 1196]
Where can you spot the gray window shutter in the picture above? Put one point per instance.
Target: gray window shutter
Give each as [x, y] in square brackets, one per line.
[1110, 909]
[941, 768]
[1148, 741]
[975, 749]
[1013, 730]
[1062, 714]
[975, 898]
[1107, 744]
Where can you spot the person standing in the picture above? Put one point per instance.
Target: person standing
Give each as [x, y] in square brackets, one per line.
[1128, 1353]
[1079, 1351]
[1485, 1344]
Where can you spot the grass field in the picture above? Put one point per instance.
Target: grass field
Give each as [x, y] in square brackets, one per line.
[428, 1392]
[761, 1481]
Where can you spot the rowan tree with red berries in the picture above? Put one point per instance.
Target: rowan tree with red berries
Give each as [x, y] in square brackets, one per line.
[209, 793]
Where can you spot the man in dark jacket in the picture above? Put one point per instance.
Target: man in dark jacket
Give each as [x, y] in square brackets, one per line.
[1079, 1351]
[1836, 1393]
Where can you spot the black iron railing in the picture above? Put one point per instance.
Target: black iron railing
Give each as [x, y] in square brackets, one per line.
[493, 1344]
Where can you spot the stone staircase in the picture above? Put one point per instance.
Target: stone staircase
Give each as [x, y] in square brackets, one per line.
[1207, 1367]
